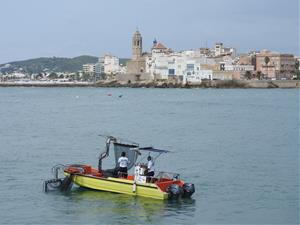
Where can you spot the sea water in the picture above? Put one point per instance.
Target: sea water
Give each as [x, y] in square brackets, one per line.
[240, 147]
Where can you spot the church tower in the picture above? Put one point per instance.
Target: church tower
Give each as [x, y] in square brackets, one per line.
[137, 45]
[137, 65]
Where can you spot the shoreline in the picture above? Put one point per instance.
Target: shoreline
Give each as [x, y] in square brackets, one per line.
[244, 84]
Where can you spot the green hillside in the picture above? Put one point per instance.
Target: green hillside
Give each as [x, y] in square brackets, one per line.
[55, 64]
[123, 61]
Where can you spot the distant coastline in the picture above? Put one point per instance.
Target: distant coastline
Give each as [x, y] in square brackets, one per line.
[204, 84]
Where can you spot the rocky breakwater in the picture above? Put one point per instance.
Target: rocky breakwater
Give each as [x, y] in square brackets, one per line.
[205, 84]
[165, 84]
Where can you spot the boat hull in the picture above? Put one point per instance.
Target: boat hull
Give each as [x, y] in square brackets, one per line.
[119, 185]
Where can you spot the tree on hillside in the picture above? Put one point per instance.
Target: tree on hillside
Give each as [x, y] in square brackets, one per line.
[52, 76]
[259, 75]
[77, 76]
[39, 76]
[86, 76]
[248, 75]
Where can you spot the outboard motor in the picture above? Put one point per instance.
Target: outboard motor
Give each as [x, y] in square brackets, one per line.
[52, 185]
[174, 190]
[188, 189]
[62, 184]
[55, 183]
[66, 183]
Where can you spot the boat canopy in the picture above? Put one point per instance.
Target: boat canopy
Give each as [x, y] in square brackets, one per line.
[151, 149]
[131, 150]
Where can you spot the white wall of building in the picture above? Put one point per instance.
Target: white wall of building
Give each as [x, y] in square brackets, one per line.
[111, 64]
[195, 77]
[219, 50]
[239, 68]
[186, 64]
[88, 68]
[99, 68]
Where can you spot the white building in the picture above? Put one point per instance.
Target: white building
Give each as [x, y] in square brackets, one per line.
[88, 68]
[191, 65]
[163, 64]
[238, 68]
[220, 50]
[14, 76]
[99, 66]
[111, 64]
[196, 75]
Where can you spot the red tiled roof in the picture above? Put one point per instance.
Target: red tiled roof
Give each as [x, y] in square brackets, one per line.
[159, 46]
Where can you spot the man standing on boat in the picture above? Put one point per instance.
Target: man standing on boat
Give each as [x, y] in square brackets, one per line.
[123, 163]
[150, 169]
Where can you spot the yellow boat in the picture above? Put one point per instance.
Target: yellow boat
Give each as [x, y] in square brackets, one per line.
[160, 186]
[119, 185]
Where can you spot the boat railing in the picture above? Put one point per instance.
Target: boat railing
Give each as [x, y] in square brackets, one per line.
[160, 175]
[122, 174]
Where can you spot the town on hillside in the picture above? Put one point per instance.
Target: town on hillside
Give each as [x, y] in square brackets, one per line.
[161, 63]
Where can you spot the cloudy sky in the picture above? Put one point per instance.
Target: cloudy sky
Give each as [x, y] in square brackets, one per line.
[68, 28]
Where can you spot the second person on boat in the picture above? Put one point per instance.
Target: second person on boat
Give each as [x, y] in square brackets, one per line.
[123, 163]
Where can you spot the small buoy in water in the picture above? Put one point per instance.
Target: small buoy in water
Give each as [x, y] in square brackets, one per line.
[109, 94]
[120, 96]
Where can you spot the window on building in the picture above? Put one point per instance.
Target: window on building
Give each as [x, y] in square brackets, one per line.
[171, 71]
[190, 66]
[222, 66]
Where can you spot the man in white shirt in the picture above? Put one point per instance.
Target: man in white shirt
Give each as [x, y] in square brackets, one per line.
[150, 169]
[123, 163]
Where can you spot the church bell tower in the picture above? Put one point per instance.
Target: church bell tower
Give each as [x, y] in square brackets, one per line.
[137, 45]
